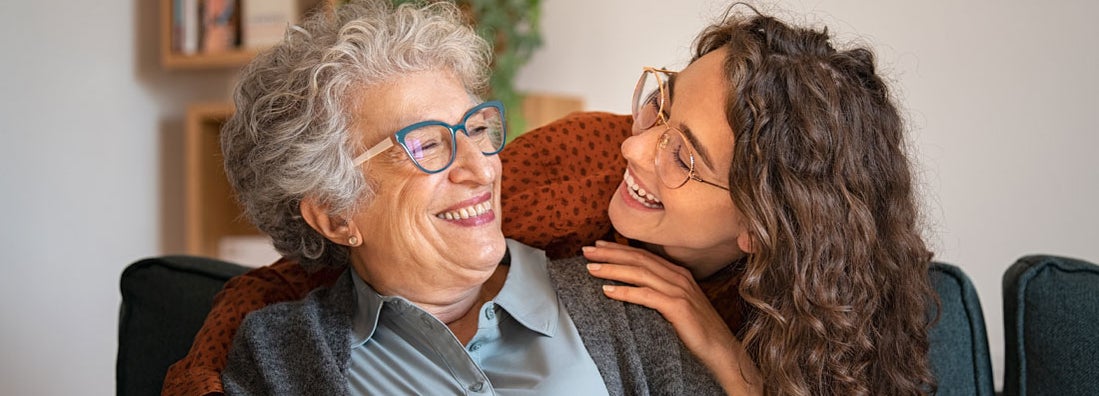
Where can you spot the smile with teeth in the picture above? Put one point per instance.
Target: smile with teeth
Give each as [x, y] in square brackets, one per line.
[467, 212]
[640, 195]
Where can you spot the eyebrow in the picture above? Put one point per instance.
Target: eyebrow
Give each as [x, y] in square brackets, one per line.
[695, 144]
[687, 133]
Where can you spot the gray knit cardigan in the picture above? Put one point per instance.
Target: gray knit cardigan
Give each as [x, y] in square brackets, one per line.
[302, 347]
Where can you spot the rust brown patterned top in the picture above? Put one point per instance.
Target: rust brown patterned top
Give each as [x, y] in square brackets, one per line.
[557, 182]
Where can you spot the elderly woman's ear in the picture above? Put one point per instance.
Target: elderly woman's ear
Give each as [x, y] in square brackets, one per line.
[336, 228]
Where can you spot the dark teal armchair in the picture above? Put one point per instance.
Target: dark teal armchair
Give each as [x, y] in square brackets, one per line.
[959, 342]
[165, 300]
[1051, 327]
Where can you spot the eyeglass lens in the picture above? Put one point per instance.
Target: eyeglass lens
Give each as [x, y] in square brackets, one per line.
[432, 146]
[648, 99]
[674, 161]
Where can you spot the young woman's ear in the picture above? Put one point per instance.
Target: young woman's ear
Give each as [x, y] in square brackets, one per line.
[746, 243]
[337, 229]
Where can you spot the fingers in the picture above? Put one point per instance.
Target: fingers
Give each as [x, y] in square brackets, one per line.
[609, 252]
[669, 307]
[641, 277]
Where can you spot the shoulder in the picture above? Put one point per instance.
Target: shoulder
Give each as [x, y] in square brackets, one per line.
[326, 308]
[574, 268]
[583, 295]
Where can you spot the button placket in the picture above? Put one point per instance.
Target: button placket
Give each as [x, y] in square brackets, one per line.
[490, 311]
[477, 387]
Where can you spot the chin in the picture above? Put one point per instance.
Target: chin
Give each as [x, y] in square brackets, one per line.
[626, 221]
[491, 250]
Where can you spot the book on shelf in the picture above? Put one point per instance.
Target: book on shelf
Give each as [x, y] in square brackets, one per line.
[264, 22]
[219, 25]
[185, 26]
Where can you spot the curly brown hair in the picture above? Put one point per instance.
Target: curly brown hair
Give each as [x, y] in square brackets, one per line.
[838, 289]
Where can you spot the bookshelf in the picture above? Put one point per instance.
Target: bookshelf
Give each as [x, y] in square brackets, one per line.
[210, 211]
[171, 59]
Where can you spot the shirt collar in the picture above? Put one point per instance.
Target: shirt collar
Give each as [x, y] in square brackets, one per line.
[527, 295]
[369, 307]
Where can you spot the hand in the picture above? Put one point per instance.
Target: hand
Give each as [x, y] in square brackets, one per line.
[671, 290]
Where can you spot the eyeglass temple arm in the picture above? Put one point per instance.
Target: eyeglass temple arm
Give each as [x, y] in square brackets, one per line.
[699, 179]
[373, 151]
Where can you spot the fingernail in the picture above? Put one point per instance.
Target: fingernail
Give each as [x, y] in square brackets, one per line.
[594, 267]
[600, 243]
[608, 288]
[588, 249]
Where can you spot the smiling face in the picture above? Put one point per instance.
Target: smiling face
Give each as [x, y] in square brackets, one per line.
[695, 225]
[420, 230]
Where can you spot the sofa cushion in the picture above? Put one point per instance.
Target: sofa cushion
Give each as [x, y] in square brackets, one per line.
[959, 342]
[1051, 313]
[164, 302]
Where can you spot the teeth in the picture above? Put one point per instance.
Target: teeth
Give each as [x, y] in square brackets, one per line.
[639, 194]
[467, 212]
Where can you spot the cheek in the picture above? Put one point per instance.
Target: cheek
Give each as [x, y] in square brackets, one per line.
[708, 214]
[397, 201]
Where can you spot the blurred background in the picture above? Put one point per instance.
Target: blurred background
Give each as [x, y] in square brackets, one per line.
[1000, 98]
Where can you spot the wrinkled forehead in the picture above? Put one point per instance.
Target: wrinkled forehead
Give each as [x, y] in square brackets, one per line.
[382, 108]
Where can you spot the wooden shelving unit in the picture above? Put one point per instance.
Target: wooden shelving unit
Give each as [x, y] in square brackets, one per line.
[171, 60]
[211, 212]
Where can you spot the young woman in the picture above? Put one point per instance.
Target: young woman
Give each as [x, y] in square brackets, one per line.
[766, 209]
[781, 158]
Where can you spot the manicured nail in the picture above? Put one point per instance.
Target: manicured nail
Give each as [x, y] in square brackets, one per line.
[594, 267]
[608, 289]
[588, 249]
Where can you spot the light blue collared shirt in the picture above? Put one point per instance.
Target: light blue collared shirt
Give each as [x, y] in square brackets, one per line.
[526, 343]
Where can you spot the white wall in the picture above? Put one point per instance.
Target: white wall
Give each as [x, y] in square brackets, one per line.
[89, 181]
[89, 163]
[1000, 96]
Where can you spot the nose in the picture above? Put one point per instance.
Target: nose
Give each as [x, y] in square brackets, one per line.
[472, 166]
[639, 148]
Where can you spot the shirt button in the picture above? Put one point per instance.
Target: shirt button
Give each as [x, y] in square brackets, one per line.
[479, 386]
[490, 312]
[474, 347]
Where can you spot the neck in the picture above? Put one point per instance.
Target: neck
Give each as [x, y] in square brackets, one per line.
[452, 297]
[701, 263]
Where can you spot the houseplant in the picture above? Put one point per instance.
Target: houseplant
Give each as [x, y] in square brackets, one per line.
[512, 27]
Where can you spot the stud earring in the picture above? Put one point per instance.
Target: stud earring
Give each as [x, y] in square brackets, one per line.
[353, 241]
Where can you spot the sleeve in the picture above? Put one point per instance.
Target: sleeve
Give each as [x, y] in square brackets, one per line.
[199, 372]
[558, 180]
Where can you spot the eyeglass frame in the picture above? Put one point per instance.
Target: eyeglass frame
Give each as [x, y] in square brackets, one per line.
[398, 137]
[662, 142]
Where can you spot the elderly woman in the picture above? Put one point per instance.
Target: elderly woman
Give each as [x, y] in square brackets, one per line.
[359, 142]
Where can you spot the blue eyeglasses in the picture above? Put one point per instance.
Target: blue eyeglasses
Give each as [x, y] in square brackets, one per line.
[431, 145]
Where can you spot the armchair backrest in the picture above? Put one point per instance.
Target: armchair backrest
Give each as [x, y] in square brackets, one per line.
[164, 302]
[959, 342]
[1051, 327]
